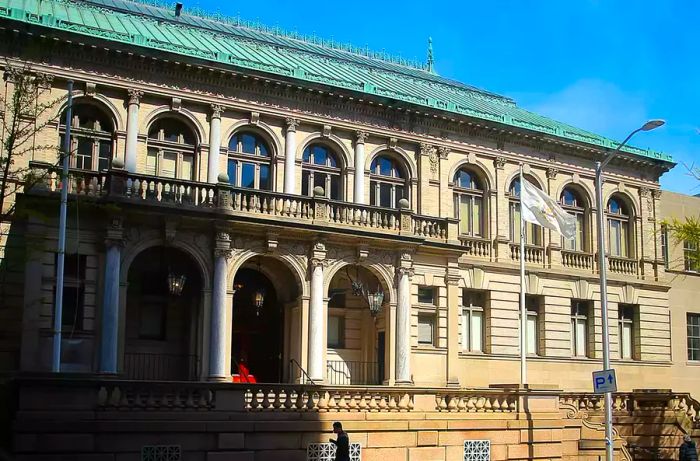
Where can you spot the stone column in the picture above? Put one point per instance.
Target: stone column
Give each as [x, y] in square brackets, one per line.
[290, 148]
[453, 294]
[500, 213]
[218, 371]
[214, 143]
[132, 129]
[403, 326]
[359, 191]
[109, 337]
[316, 321]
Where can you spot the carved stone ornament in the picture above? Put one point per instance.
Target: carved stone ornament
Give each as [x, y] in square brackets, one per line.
[318, 262]
[361, 136]
[444, 151]
[656, 193]
[401, 271]
[254, 118]
[552, 173]
[392, 143]
[272, 241]
[216, 110]
[645, 193]
[135, 96]
[176, 104]
[222, 236]
[326, 131]
[170, 230]
[45, 81]
[499, 162]
[429, 150]
[362, 252]
[226, 253]
[292, 124]
[90, 89]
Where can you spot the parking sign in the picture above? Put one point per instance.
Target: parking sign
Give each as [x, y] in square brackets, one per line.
[604, 381]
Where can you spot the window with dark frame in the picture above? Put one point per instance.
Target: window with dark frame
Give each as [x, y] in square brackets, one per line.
[426, 295]
[73, 312]
[693, 336]
[580, 314]
[533, 305]
[626, 314]
[336, 331]
[473, 320]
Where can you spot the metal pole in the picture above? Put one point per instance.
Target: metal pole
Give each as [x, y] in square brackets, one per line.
[602, 270]
[523, 312]
[60, 260]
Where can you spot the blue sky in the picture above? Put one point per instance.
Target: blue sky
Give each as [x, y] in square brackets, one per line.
[603, 65]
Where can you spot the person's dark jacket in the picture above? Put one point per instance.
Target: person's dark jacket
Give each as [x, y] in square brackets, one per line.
[342, 447]
[688, 452]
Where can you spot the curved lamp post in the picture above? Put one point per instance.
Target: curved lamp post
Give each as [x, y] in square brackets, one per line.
[602, 270]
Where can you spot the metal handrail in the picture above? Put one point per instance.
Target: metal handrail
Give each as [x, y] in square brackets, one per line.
[308, 378]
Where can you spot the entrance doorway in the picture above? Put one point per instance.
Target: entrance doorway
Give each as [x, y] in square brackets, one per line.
[258, 322]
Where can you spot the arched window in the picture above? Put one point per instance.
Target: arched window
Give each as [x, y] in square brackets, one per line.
[572, 202]
[533, 232]
[91, 137]
[469, 203]
[320, 168]
[619, 227]
[388, 182]
[249, 161]
[171, 149]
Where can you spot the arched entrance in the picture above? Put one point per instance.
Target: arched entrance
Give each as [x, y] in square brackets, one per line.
[162, 313]
[264, 303]
[356, 338]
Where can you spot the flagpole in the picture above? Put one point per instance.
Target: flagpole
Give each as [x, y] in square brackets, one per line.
[523, 312]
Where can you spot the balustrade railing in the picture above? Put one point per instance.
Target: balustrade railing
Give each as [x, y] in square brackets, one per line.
[477, 402]
[271, 204]
[342, 373]
[363, 216]
[169, 190]
[145, 366]
[624, 266]
[577, 260]
[155, 396]
[533, 254]
[430, 227]
[476, 247]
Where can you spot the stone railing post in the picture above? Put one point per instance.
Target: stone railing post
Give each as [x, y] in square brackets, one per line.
[554, 254]
[405, 218]
[224, 199]
[320, 205]
[118, 179]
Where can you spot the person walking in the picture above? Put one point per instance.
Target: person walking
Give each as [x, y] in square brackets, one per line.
[688, 450]
[342, 443]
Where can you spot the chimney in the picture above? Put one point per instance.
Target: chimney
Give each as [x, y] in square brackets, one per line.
[178, 9]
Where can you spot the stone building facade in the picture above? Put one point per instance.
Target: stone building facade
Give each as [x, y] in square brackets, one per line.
[238, 214]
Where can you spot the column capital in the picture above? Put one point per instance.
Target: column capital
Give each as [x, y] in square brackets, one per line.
[401, 271]
[222, 245]
[292, 124]
[135, 95]
[499, 162]
[656, 193]
[361, 136]
[444, 151]
[552, 173]
[217, 110]
[225, 253]
[114, 234]
[318, 262]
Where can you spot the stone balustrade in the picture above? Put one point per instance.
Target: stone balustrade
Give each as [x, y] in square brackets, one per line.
[577, 260]
[533, 254]
[477, 402]
[363, 216]
[624, 266]
[154, 396]
[476, 247]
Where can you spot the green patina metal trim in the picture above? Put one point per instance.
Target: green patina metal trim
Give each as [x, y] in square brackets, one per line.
[137, 23]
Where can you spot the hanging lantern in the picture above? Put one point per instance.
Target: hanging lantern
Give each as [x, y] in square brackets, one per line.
[258, 300]
[176, 283]
[375, 300]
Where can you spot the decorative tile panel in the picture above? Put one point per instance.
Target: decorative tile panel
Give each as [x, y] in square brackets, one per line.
[477, 450]
[161, 453]
[326, 452]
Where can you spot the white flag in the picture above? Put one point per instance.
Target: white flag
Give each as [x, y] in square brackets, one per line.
[538, 208]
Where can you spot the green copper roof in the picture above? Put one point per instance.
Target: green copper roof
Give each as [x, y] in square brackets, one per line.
[232, 42]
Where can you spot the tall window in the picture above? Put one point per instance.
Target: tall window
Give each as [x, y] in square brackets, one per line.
[320, 168]
[573, 204]
[388, 182]
[664, 245]
[625, 322]
[91, 138]
[171, 149]
[426, 329]
[249, 161]
[336, 331]
[693, 336]
[691, 256]
[618, 228]
[473, 324]
[533, 304]
[580, 312]
[533, 234]
[469, 203]
[73, 292]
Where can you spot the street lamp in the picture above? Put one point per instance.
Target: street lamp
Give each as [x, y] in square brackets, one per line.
[648, 126]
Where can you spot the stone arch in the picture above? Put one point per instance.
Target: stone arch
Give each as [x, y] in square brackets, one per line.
[586, 193]
[397, 152]
[290, 262]
[479, 167]
[627, 198]
[79, 97]
[203, 263]
[382, 272]
[333, 141]
[261, 128]
[183, 115]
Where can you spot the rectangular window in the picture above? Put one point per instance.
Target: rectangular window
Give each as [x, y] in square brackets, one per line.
[664, 245]
[231, 172]
[385, 195]
[264, 177]
[305, 183]
[693, 336]
[83, 157]
[336, 331]
[426, 329]
[151, 162]
[168, 167]
[187, 170]
[248, 175]
[426, 295]
[691, 256]
[73, 291]
[473, 307]
[580, 313]
[533, 306]
[335, 188]
[105, 155]
[626, 316]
